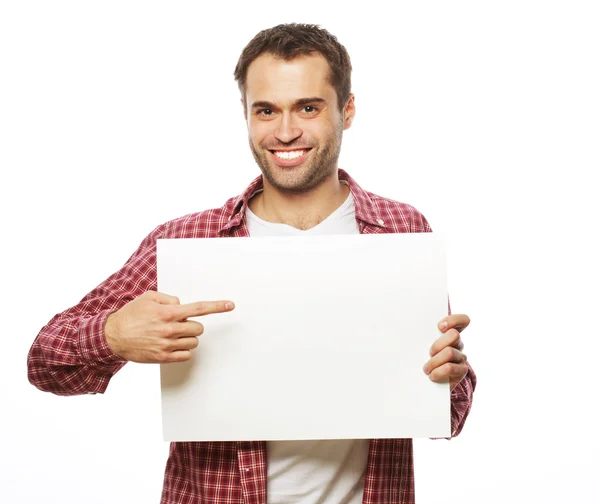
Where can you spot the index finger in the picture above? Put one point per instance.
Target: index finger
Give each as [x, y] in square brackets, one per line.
[204, 308]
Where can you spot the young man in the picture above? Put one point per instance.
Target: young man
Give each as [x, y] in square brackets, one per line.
[295, 86]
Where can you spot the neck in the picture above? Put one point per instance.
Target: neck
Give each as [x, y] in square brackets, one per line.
[304, 210]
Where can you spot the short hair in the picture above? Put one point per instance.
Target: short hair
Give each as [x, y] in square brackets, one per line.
[287, 41]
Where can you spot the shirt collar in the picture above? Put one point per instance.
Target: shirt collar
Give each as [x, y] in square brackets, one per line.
[365, 208]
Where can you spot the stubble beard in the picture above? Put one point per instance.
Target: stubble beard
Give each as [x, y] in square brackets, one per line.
[322, 165]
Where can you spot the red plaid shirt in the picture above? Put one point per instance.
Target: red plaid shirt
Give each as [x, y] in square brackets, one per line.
[71, 356]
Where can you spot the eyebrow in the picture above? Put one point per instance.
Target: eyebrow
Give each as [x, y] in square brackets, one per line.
[301, 101]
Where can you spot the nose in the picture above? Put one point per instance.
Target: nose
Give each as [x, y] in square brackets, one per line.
[287, 131]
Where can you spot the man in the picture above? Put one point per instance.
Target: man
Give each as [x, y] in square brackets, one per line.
[295, 87]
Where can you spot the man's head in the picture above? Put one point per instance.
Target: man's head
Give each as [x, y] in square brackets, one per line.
[288, 41]
[295, 85]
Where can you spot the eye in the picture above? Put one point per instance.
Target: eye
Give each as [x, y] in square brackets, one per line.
[310, 109]
[264, 112]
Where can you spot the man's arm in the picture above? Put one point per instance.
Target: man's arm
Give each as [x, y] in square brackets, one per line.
[70, 354]
[123, 319]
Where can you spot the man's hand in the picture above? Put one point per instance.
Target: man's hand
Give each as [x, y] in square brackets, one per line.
[154, 327]
[447, 360]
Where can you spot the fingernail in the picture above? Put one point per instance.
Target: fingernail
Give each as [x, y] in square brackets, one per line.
[229, 306]
[443, 324]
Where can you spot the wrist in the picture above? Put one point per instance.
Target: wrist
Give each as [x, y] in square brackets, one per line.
[92, 342]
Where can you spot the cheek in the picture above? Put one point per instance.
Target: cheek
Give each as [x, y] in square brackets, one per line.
[259, 133]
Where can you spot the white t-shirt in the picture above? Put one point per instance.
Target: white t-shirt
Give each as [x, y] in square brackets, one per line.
[316, 471]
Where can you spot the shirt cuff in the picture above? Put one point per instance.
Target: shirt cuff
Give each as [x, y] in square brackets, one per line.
[93, 347]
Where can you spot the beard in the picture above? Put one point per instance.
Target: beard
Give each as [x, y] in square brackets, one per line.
[321, 164]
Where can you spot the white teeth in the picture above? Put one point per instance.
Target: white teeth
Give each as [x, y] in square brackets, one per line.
[289, 154]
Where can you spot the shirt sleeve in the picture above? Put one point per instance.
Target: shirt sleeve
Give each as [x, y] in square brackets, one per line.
[461, 399]
[70, 355]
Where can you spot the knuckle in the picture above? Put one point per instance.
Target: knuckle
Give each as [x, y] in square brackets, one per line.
[166, 313]
[164, 345]
[164, 357]
[454, 337]
[165, 330]
[448, 353]
[446, 369]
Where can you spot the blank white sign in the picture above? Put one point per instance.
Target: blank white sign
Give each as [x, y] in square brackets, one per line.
[327, 341]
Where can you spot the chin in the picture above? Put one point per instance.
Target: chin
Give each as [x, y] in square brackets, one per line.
[297, 180]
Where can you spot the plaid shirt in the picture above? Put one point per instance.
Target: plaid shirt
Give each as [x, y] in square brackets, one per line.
[71, 356]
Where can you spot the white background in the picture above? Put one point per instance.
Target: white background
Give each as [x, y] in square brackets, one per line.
[116, 116]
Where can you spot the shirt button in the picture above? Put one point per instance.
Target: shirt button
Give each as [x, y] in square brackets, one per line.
[380, 222]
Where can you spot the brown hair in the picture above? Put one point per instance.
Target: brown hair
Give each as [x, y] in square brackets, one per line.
[288, 41]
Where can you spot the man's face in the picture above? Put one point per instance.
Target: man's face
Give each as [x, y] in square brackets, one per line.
[294, 123]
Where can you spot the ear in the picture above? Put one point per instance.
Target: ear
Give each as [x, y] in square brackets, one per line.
[349, 111]
[245, 111]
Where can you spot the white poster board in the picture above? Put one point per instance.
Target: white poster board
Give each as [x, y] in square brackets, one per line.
[327, 341]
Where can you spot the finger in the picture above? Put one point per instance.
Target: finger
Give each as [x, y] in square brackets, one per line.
[448, 354]
[184, 344]
[203, 308]
[449, 371]
[457, 321]
[162, 298]
[178, 356]
[186, 329]
[177, 344]
[448, 339]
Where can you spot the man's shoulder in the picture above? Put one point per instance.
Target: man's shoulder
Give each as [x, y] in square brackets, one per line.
[379, 211]
[398, 216]
[390, 205]
[203, 224]
[402, 217]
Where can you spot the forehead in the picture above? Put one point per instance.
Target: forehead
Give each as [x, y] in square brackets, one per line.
[278, 80]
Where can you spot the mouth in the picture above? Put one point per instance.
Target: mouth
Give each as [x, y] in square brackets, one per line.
[290, 157]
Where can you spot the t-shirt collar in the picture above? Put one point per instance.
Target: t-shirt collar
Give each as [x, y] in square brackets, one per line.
[366, 210]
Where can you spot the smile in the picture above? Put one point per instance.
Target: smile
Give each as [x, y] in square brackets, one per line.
[290, 154]
[290, 157]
